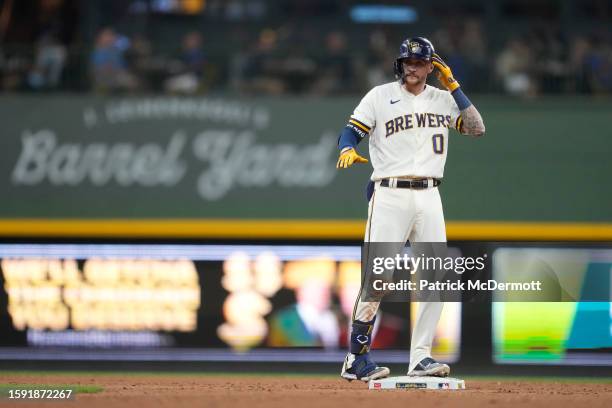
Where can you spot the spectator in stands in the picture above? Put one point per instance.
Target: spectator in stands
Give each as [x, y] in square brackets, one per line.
[335, 68]
[448, 43]
[295, 64]
[188, 69]
[474, 42]
[579, 50]
[258, 72]
[378, 61]
[48, 64]
[143, 64]
[551, 67]
[14, 67]
[474, 46]
[108, 63]
[597, 65]
[512, 68]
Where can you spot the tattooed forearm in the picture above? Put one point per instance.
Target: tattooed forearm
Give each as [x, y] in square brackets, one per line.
[472, 122]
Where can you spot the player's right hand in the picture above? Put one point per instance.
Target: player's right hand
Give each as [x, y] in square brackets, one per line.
[348, 157]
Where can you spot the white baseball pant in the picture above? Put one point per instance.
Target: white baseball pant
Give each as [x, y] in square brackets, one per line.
[398, 215]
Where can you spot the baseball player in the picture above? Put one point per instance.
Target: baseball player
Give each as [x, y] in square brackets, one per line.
[408, 123]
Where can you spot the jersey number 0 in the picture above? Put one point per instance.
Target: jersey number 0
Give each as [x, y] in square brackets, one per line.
[438, 143]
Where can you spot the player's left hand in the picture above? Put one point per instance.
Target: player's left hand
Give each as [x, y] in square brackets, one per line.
[348, 157]
[444, 73]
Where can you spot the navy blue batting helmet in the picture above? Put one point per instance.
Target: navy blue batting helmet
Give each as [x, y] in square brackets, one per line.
[414, 47]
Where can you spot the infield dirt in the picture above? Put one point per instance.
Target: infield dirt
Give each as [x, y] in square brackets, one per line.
[268, 391]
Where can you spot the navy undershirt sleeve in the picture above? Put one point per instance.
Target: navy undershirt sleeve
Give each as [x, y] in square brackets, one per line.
[348, 138]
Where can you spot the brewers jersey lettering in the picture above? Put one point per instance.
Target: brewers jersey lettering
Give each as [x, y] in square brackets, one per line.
[408, 133]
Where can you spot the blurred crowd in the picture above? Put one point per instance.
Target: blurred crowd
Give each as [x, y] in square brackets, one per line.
[540, 60]
[118, 63]
[548, 61]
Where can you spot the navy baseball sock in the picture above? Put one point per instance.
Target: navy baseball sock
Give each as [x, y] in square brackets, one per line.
[361, 337]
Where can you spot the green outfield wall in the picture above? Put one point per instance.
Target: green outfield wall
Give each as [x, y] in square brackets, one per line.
[81, 157]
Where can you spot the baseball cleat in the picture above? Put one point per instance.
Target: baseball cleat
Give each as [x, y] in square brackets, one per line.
[430, 367]
[360, 367]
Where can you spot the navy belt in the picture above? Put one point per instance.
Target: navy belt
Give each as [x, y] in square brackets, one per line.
[415, 184]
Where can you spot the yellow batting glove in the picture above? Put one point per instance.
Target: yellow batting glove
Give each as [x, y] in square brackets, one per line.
[348, 156]
[444, 73]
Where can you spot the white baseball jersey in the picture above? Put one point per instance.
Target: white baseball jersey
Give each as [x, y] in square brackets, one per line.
[408, 133]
